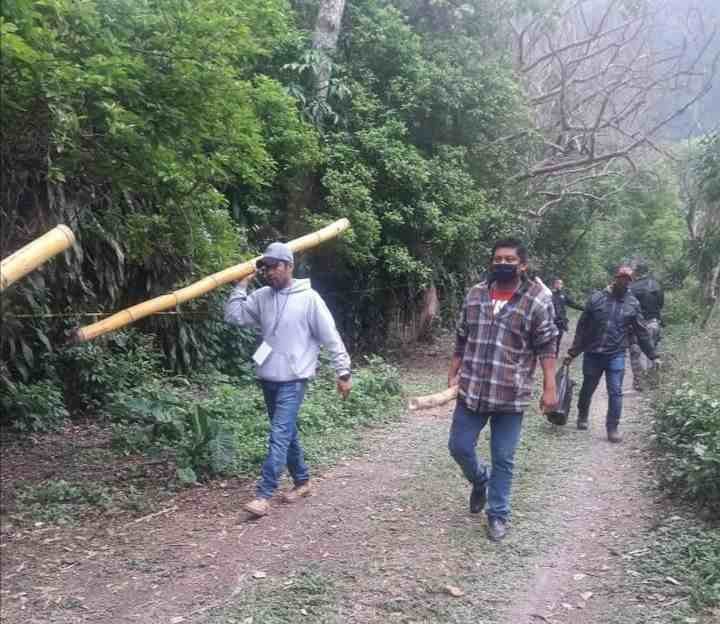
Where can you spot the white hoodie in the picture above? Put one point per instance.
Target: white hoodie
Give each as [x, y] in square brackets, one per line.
[295, 322]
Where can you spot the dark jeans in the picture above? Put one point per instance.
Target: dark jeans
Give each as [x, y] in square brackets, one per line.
[283, 401]
[613, 366]
[504, 437]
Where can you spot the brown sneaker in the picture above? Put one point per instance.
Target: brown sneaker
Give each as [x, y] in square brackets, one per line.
[298, 492]
[614, 436]
[258, 507]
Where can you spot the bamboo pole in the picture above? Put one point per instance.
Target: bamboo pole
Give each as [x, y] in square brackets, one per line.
[39, 251]
[433, 400]
[201, 287]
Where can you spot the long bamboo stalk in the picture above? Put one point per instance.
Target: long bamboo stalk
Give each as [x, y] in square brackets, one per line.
[433, 400]
[201, 287]
[30, 257]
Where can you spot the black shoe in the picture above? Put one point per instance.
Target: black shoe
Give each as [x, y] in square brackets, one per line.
[496, 529]
[582, 423]
[478, 497]
[613, 435]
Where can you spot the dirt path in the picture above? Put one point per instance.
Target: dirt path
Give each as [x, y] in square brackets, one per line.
[387, 538]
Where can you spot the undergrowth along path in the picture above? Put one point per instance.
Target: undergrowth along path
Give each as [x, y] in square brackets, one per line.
[387, 538]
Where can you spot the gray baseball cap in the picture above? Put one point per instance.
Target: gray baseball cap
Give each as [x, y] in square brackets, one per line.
[276, 252]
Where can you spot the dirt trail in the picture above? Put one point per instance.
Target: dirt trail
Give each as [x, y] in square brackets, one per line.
[387, 538]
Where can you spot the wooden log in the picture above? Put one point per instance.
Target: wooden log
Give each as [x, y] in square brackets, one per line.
[30, 257]
[433, 400]
[201, 287]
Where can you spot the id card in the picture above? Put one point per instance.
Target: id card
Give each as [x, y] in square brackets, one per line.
[262, 353]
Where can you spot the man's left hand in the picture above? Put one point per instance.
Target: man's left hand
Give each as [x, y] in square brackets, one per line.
[548, 401]
[344, 387]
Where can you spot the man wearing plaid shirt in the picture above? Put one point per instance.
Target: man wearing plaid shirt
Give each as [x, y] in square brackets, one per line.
[506, 325]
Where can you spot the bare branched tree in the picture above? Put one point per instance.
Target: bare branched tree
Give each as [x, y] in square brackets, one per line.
[604, 79]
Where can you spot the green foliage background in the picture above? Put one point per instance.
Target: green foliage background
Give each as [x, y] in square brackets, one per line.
[177, 138]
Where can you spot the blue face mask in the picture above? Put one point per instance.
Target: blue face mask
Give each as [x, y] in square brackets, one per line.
[503, 272]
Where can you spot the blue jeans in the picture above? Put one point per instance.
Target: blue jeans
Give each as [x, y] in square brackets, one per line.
[283, 400]
[594, 365]
[504, 437]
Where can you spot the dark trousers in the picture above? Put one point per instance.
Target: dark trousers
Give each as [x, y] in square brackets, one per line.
[595, 365]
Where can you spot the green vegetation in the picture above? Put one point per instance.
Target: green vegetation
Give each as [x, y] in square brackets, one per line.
[215, 425]
[177, 138]
[687, 430]
[687, 423]
[62, 502]
[681, 548]
[308, 594]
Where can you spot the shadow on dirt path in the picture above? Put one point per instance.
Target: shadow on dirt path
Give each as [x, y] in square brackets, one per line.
[386, 538]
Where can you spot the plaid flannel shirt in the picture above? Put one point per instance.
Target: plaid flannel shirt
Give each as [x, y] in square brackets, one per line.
[499, 352]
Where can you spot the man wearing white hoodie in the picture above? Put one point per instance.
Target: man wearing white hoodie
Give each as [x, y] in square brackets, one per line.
[294, 322]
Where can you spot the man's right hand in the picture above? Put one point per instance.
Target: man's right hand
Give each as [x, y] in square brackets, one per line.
[245, 283]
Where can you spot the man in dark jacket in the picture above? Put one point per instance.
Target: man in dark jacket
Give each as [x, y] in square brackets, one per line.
[561, 300]
[650, 294]
[612, 317]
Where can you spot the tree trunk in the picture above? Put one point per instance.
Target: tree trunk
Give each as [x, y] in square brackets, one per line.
[711, 293]
[327, 29]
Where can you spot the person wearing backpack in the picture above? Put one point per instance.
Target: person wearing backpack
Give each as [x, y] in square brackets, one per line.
[649, 293]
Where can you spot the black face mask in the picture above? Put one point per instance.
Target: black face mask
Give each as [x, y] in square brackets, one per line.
[619, 289]
[503, 272]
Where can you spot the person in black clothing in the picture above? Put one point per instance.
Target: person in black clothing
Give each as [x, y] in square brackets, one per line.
[560, 300]
[650, 294]
[611, 319]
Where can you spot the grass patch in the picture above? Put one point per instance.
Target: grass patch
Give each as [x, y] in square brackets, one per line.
[63, 502]
[60, 501]
[304, 596]
[688, 552]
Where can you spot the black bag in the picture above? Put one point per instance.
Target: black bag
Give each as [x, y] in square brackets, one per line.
[564, 386]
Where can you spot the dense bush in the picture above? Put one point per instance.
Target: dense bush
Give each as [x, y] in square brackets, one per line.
[682, 304]
[92, 371]
[34, 407]
[687, 421]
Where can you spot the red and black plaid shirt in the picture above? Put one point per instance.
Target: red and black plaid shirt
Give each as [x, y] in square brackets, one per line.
[499, 351]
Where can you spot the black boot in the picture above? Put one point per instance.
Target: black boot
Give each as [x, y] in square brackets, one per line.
[478, 497]
[496, 530]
